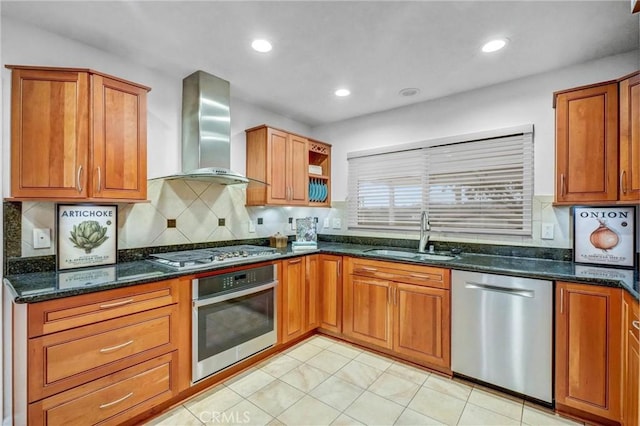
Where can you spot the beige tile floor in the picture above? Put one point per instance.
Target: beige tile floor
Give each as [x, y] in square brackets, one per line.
[322, 381]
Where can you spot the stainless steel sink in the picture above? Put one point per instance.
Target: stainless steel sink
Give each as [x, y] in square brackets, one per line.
[392, 253]
[411, 255]
[433, 256]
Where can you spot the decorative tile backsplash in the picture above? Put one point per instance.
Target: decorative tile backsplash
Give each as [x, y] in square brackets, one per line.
[198, 207]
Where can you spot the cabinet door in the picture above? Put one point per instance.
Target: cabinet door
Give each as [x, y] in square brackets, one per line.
[368, 312]
[312, 264]
[331, 292]
[630, 139]
[119, 140]
[293, 322]
[587, 144]
[631, 365]
[298, 169]
[277, 191]
[422, 324]
[588, 355]
[49, 133]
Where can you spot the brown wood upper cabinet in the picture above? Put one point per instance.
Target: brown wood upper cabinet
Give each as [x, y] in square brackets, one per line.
[630, 138]
[598, 143]
[588, 351]
[77, 135]
[281, 159]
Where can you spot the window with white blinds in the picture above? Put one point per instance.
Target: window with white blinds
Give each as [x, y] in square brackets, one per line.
[386, 191]
[473, 186]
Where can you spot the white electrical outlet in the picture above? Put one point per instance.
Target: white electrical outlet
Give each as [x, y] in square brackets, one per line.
[326, 223]
[252, 226]
[41, 238]
[547, 231]
[337, 223]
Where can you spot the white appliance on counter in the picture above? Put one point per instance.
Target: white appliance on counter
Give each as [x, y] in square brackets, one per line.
[502, 332]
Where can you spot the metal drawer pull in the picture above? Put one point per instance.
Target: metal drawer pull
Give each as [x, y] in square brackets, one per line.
[562, 185]
[497, 289]
[422, 277]
[293, 262]
[623, 187]
[364, 268]
[636, 324]
[129, 395]
[78, 186]
[112, 305]
[113, 348]
[99, 180]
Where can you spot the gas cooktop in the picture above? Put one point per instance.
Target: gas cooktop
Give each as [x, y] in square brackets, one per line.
[203, 258]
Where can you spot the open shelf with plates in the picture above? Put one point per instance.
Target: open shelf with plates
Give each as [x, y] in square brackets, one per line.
[319, 174]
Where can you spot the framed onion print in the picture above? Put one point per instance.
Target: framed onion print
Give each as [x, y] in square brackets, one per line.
[604, 235]
[87, 235]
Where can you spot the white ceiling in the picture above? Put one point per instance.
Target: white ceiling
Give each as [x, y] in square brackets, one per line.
[374, 48]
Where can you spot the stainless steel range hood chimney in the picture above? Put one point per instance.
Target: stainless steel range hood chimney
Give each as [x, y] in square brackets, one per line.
[206, 131]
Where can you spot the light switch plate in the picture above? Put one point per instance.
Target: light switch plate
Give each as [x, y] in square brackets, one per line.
[337, 223]
[326, 223]
[252, 226]
[547, 231]
[41, 238]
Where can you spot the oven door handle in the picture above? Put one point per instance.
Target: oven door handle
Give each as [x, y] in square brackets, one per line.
[233, 295]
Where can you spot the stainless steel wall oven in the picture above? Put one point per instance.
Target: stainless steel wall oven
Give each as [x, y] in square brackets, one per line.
[234, 316]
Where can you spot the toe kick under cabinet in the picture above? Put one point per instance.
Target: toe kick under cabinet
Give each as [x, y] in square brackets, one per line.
[103, 357]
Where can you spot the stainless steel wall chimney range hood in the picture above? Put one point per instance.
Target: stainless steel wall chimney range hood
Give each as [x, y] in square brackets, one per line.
[206, 131]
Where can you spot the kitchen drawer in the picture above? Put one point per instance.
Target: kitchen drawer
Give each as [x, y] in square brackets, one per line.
[62, 360]
[63, 314]
[412, 274]
[112, 399]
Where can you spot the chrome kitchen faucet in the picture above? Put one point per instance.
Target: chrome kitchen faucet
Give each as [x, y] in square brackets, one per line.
[424, 231]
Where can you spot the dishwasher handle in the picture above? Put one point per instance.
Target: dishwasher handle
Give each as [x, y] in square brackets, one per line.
[498, 289]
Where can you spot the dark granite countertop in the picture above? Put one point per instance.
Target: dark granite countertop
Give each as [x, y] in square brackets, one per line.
[40, 286]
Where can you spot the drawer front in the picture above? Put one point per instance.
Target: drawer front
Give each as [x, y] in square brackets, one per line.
[62, 360]
[112, 399]
[63, 314]
[412, 274]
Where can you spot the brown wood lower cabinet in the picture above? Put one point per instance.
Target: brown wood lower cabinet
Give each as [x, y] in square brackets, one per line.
[292, 299]
[588, 351]
[103, 357]
[401, 308]
[631, 365]
[112, 399]
[330, 292]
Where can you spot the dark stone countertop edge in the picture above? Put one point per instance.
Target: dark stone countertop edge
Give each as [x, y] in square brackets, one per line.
[553, 270]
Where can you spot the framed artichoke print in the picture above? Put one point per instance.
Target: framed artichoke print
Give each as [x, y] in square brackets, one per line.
[87, 235]
[604, 235]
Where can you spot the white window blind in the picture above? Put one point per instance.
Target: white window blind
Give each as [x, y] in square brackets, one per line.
[471, 186]
[483, 186]
[386, 190]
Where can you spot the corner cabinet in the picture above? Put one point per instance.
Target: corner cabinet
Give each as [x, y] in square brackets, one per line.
[77, 135]
[598, 143]
[404, 309]
[588, 351]
[281, 159]
[330, 292]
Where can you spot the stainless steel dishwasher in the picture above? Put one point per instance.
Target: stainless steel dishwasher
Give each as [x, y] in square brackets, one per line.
[502, 331]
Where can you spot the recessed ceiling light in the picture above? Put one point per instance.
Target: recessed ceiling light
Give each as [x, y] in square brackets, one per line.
[262, 46]
[342, 92]
[494, 45]
[409, 91]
